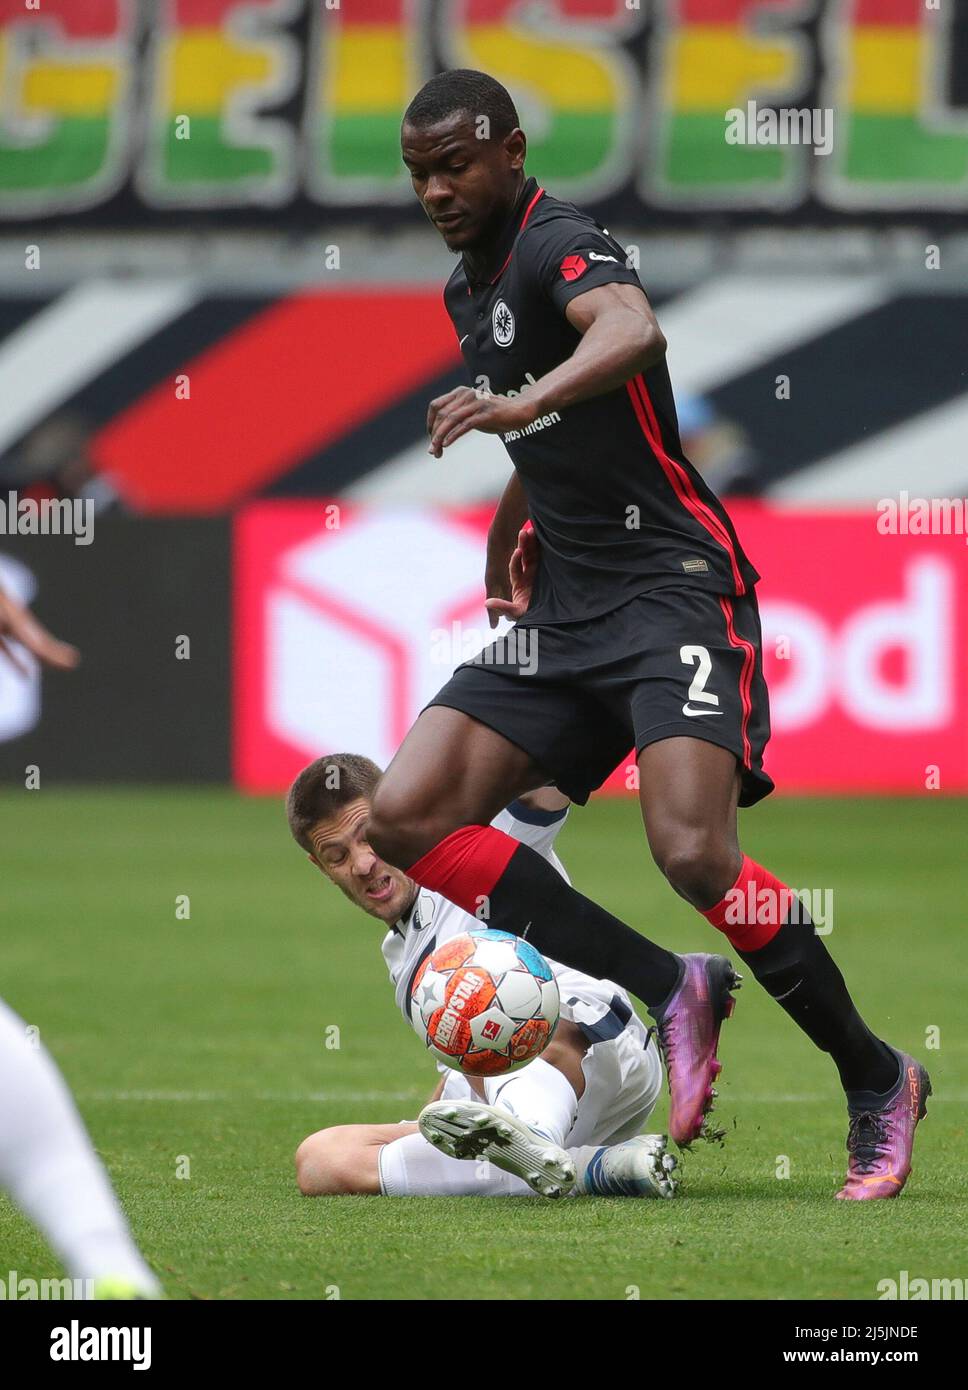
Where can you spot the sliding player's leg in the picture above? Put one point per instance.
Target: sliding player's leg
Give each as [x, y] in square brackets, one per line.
[606, 1091]
[343, 1159]
[521, 1118]
[393, 1161]
[689, 793]
[50, 1169]
[591, 1098]
[430, 817]
[519, 1132]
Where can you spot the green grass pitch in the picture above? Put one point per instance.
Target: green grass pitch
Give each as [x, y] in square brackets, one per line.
[206, 1039]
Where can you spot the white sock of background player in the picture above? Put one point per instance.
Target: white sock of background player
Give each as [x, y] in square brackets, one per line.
[540, 1095]
[50, 1169]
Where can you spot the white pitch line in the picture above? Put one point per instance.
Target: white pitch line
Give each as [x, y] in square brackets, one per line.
[959, 1096]
[332, 1097]
[314, 1097]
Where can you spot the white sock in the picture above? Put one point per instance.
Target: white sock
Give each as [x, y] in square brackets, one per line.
[540, 1095]
[50, 1169]
[581, 1158]
[411, 1167]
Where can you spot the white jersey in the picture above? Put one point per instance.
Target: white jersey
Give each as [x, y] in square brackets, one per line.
[600, 1008]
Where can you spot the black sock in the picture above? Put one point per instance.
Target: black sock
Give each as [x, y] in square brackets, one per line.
[531, 899]
[797, 970]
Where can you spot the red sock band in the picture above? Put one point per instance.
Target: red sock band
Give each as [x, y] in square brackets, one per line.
[754, 909]
[466, 865]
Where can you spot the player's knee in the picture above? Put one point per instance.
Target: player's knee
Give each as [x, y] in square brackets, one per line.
[391, 826]
[400, 829]
[310, 1161]
[325, 1163]
[394, 841]
[700, 865]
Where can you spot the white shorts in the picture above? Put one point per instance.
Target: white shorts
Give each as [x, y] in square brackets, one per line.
[623, 1078]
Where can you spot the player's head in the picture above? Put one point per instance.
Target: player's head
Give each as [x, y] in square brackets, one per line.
[328, 806]
[461, 141]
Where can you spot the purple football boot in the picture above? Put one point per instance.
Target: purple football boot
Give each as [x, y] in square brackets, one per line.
[881, 1135]
[687, 1027]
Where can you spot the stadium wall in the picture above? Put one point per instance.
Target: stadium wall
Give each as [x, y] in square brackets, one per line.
[147, 603]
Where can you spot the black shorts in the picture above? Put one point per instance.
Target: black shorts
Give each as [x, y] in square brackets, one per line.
[577, 696]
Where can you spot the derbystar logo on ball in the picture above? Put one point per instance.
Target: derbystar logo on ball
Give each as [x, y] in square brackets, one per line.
[485, 1002]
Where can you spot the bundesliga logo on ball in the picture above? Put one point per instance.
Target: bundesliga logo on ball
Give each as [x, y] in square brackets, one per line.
[485, 1002]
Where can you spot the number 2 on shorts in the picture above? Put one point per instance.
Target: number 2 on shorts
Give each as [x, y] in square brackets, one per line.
[698, 694]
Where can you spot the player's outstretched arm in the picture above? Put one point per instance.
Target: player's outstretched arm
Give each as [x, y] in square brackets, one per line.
[620, 338]
[19, 624]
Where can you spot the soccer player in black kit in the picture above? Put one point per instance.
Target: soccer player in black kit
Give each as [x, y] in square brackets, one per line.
[637, 614]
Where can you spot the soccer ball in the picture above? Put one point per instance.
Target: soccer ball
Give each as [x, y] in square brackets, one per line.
[485, 1002]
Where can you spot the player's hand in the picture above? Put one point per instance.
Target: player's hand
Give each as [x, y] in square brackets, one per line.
[497, 574]
[19, 624]
[521, 571]
[466, 408]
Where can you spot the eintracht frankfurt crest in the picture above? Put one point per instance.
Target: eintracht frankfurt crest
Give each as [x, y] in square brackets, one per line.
[502, 324]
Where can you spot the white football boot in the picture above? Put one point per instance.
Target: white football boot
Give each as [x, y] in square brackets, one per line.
[639, 1167]
[470, 1129]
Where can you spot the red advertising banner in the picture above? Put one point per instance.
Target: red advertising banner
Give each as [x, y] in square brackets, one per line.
[348, 620]
[865, 638]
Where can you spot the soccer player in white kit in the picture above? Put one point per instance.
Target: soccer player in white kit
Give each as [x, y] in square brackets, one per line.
[47, 1162]
[569, 1123]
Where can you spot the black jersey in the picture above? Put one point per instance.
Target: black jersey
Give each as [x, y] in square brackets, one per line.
[617, 507]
